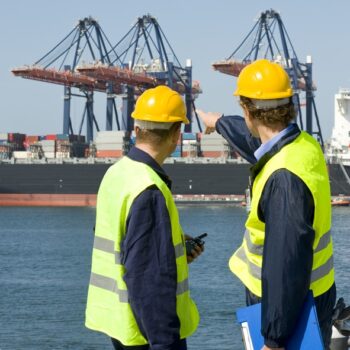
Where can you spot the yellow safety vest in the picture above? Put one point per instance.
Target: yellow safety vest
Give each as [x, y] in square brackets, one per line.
[304, 158]
[108, 309]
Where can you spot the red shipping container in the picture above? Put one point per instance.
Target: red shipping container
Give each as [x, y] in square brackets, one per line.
[109, 154]
[51, 137]
[213, 154]
[29, 140]
[32, 139]
[191, 153]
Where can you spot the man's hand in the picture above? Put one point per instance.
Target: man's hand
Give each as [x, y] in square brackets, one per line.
[196, 252]
[267, 348]
[209, 119]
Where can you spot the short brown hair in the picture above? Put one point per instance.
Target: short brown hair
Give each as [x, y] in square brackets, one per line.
[272, 116]
[156, 136]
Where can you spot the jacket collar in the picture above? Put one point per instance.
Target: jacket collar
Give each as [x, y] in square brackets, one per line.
[138, 155]
[289, 137]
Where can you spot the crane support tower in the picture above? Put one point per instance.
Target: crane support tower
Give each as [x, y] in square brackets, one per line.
[141, 59]
[269, 39]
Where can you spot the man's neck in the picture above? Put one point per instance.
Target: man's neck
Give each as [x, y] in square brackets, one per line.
[157, 155]
[267, 133]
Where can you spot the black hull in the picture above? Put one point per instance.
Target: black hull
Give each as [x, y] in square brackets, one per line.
[188, 179]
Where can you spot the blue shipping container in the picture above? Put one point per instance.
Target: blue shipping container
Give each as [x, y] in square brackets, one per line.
[189, 136]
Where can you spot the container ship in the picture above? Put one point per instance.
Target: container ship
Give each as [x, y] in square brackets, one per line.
[64, 170]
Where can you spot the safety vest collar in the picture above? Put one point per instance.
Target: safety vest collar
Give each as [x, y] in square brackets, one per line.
[288, 138]
[141, 156]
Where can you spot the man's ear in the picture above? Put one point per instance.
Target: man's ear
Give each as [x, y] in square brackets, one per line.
[176, 134]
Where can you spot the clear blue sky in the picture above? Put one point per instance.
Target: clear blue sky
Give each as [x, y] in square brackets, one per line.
[204, 31]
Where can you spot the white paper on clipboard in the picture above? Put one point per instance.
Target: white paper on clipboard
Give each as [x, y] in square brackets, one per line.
[248, 345]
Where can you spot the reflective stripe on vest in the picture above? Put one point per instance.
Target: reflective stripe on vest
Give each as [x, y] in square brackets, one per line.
[110, 284]
[108, 309]
[304, 158]
[257, 249]
[107, 246]
[255, 270]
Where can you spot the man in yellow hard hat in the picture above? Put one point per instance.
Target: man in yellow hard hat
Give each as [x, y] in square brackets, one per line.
[287, 245]
[139, 290]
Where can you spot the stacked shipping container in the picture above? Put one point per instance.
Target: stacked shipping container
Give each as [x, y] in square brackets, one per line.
[49, 148]
[112, 144]
[190, 144]
[107, 144]
[5, 152]
[21, 146]
[214, 146]
[9, 143]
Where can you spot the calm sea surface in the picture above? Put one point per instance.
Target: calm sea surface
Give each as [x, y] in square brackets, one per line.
[45, 265]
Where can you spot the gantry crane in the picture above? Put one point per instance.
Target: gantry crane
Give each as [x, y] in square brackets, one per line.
[269, 39]
[86, 41]
[144, 58]
[119, 70]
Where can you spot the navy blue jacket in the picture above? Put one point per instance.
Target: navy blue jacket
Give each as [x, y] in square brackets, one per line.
[287, 209]
[149, 258]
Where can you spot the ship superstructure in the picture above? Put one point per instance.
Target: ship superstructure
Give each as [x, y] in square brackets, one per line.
[338, 148]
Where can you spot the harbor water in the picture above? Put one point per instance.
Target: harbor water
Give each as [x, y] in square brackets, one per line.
[45, 256]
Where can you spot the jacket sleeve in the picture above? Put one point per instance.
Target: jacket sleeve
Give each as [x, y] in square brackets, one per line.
[287, 208]
[149, 258]
[235, 131]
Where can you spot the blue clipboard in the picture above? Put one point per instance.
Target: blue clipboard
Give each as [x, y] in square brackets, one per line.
[307, 334]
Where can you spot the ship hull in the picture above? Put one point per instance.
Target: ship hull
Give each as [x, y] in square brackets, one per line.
[77, 184]
[47, 200]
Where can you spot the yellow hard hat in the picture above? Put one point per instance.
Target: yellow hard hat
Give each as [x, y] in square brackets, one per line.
[160, 104]
[263, 80]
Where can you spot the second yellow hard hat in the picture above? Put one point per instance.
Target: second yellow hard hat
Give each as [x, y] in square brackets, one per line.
[160, 104]
[263, 80]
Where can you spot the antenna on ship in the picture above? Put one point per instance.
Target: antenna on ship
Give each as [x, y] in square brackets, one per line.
[269, 39]
[141, 59]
